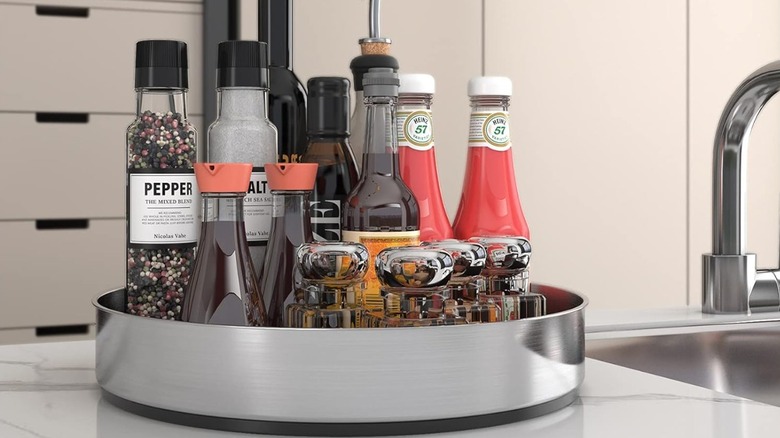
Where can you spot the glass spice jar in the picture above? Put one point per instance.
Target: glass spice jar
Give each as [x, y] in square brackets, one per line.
[331, 295]
[414, 288]
[163, 203]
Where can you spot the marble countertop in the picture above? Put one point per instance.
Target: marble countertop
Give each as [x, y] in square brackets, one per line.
[49, 390]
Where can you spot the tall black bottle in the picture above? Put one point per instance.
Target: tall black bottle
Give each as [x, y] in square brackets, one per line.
[337, 174]
[286, 95]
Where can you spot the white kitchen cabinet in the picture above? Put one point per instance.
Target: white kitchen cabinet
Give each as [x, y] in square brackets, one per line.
[599, 133]
[55, 62]
[728, 41]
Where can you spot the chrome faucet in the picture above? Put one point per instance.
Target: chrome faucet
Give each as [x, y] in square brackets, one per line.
[731, 282]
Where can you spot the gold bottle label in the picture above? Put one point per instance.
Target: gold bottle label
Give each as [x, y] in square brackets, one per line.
[376, 241]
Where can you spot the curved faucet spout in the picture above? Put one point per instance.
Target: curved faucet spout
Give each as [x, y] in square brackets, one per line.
[730, 161]
[731, 283]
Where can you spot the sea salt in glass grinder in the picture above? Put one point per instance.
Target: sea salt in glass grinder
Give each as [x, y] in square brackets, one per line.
[331, 295]
[414, 287]
[223, 289]
[506, 278]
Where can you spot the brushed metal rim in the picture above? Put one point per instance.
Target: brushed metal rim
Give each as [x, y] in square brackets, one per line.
[578, 308]
[355, 376]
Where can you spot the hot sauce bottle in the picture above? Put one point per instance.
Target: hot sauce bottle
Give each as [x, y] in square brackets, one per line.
[381, 210]
[489, 204]
[416, 154]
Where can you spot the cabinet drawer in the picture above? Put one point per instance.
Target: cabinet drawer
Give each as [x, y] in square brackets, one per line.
[55, 61]
[48, 277]
[64, 165]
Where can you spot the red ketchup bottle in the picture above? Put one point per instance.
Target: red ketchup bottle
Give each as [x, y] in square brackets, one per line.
[489, 204]
[417, 156]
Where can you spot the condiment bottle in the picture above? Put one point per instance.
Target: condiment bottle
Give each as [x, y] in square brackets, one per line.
[416, 154]
[360, 66]
[506, 278]
[414, 287]
[331, 295]
[286, 96]
[328, 129]
[381, 211]
[489, 204]
[223, 289]
[291, 186]
[163, 204]
[242, 132]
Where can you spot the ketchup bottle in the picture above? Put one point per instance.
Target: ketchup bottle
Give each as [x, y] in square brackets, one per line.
[416, 155]
[489, 204]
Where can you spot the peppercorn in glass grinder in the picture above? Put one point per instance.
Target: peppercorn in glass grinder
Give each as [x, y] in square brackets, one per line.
[162, 196]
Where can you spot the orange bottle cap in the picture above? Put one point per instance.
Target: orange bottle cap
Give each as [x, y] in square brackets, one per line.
[223, 177]
[291, 176]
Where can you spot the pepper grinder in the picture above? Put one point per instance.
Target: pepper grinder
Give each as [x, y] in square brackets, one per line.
[414, 287]
[331, 295]
[506, 277]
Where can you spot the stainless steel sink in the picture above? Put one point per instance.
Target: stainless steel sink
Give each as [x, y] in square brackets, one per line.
[741, 361]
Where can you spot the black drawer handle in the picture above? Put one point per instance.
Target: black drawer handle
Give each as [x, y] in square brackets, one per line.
[62, 224]
[62, 117]
[62, 11]
[59, 330]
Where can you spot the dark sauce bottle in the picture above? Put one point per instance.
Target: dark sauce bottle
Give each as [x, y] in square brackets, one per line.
[286, 95]
[328, 129]
[381, 211]
[291, 185]
[223, 289]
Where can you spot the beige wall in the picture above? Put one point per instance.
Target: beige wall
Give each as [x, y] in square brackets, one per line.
[614, 113]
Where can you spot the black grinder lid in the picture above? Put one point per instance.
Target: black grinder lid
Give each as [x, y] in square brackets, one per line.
[242, 64]
[161, 64]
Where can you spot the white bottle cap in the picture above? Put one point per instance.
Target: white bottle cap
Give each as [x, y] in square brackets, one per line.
[490, 86]
[417, 83]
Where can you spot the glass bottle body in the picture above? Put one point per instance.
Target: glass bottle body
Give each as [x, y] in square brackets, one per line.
[242, 133]
[287, 111]
[163, 205]
[381, 211]
[224, 289]
[489, 204]
[417, 159]
[336, 177]
[358, 129]
[290, 227]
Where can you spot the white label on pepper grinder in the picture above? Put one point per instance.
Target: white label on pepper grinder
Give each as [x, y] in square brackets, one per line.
[258, 208]
[490, 129]
[163, 208]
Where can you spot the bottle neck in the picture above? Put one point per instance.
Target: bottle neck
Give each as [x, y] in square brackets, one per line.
[223, 207]
[360, 107]
[161, 101]
[415, 101]
[381, 150]
[275, 18]
[232, 103]
[489, 103]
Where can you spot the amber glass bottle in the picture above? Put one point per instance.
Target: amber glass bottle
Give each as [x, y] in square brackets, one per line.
[381, 211]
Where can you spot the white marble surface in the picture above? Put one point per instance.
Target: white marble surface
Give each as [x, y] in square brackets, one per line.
[49, 390]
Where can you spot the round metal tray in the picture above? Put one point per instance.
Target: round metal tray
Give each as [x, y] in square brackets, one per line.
[342, 382]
